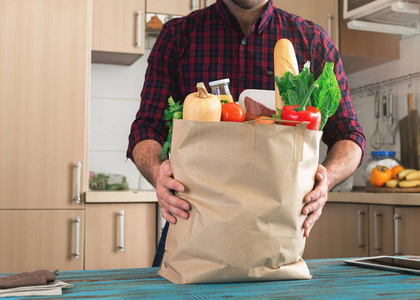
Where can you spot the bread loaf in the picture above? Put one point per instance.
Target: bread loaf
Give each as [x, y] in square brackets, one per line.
[284, 60]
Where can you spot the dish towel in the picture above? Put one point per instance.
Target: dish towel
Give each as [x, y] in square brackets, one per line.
[36, 283]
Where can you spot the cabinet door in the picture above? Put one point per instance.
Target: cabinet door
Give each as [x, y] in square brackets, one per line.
[341, 231]
[118, 31]
[44, 86]
[120, 235]
[322, 12]
[381, 230]
[407, 230]
[172, 7]
[41, 239]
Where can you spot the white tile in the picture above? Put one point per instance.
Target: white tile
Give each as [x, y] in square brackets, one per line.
[114, 163]
[114, 81]
[110, 122]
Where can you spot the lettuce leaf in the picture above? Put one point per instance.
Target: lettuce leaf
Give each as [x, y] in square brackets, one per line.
[327, 98]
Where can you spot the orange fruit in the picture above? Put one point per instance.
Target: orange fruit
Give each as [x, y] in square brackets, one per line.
[395, 171]
[266, 121]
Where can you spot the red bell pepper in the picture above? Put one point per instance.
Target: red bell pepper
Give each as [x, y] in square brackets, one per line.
[302, 112]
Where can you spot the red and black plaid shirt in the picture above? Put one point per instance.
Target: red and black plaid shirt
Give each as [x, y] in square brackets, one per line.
[209, 45]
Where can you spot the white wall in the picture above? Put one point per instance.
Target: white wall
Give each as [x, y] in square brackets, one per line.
[115, 99]
[408, 63]
[115, 96]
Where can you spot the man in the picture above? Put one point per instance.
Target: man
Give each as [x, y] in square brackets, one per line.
[235, 39]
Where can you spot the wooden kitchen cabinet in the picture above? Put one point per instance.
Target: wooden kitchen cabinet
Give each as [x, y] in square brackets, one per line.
[44, 88]
[31, 240]
[118, 30]
[323, 12]
[120, 235]
[358, 49]
[44, 91]
[406, 230]
[342, 231]
[172, 7]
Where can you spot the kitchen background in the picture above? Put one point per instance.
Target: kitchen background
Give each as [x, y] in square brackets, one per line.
[115, 98]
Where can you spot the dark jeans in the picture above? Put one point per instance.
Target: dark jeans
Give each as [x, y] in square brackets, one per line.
[161, 247]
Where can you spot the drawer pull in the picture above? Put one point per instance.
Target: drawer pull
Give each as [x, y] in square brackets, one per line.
[376, 215]
[76, 253]
[396, 242]
[138, 27]
[78, 172]
[360, 239]
[121, 215]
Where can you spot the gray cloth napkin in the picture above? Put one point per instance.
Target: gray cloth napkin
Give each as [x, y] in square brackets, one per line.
[52, 289]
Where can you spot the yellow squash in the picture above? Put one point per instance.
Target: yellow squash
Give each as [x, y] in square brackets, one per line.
[202, 106]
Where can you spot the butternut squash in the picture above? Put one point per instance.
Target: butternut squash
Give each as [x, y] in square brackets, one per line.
[202, 106]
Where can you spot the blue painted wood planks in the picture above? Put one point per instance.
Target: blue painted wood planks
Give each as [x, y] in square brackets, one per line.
[332, 279]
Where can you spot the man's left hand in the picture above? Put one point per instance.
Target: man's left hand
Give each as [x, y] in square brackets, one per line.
[315, 200]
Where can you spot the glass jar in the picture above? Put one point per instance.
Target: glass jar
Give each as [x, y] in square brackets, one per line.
[378, 158]
[220, 88]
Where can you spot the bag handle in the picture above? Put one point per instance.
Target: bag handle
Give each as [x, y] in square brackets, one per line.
[249, 140]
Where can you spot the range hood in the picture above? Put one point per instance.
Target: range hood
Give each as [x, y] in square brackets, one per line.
[387, 16]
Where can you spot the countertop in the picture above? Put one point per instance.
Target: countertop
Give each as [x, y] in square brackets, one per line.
[128, 196]
[356, 196]
[332, 279]
[361, 196]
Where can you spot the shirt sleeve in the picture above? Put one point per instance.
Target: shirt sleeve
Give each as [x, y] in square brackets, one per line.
[159, 85]
[343, 125]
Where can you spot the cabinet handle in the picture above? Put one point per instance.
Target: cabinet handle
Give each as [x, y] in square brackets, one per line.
[138, 33]
[376, 215]
[360, 243]
[77, 238]
[194, 5]
[330, 17]
[396, 242]
[78, 172]
[121, 215]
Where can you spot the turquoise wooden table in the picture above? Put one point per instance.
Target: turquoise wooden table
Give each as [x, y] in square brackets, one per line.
[332, 279]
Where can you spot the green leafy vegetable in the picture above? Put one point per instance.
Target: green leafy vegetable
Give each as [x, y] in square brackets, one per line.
[173, 112]
[294, 88]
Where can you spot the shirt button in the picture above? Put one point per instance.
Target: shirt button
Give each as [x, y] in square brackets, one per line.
[242, 78]
[244, 42]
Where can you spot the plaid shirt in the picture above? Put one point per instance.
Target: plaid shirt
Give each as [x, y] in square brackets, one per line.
[209, 45]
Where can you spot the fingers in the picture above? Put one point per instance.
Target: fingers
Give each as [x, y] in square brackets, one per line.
[315, 200]
[171, 206]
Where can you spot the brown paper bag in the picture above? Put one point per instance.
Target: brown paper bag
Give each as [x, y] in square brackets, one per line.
[245, 183]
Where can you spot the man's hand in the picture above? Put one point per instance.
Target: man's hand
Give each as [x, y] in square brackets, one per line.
[171, 206]
[315, 200]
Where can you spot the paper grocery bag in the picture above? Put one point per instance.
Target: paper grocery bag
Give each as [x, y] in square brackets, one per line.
[245, 183]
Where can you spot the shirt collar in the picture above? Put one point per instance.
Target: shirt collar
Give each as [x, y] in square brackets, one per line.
[226, 16]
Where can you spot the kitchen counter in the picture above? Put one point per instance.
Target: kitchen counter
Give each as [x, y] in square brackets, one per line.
[331, 279]
[128, 196]
[375, 198]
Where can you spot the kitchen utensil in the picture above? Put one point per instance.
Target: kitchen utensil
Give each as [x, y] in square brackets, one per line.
[410, 137]
[377, 139]
[391, 123]
[384, 108]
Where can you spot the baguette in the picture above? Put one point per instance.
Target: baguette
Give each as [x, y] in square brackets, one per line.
[284, 60]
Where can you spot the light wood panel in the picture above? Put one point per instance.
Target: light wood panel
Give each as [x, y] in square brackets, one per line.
[115, 26]
[408, 230]
[103, 234]
[335, 234]
[44, 88]
[171, 7]
[39, 239]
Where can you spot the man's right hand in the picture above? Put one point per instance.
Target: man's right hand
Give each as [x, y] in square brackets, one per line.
[171, 206]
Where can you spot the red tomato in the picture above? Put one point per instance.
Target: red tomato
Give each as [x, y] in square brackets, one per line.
[232, 112]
